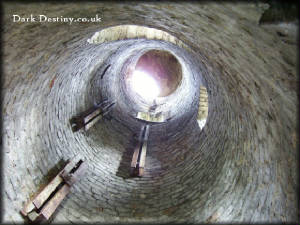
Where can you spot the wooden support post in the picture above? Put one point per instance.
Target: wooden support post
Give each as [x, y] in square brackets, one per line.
[45, 203]
[93, 121]
[91, 116]
[146, 135]
[139, 155]
[52, 204]
[44, 195]
[71, 177]
[142, 160]
[151, 118]
[134, 162]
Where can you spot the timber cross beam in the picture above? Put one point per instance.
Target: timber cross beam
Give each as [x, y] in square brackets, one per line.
[45, 202]
[90, 117]
[139, 155]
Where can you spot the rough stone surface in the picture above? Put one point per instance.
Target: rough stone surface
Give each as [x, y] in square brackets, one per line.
[241, 167]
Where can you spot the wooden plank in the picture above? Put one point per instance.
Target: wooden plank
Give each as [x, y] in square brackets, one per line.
[69, 166]
[92, 115]
[54, 202]
[101, 103]
[33, 216]
[141, 134]
[146, 135]
[144, 116]
[71, 178]
[93, 122]
[141, 171]
[76, 123]
[143, 155]
[46, 192]
[157, 118]
[45, 203]
[27, 208]
[88, 111]
[135, 156]
[81, 170]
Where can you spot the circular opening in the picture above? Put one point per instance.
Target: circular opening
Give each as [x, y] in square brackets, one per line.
[156, 74]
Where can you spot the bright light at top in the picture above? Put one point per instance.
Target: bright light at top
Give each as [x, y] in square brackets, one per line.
[144, 85]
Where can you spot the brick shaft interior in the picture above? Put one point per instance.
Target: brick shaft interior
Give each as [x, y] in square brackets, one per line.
[242, 166]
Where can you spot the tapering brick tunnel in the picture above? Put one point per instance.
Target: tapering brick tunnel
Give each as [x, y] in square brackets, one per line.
[230, 156]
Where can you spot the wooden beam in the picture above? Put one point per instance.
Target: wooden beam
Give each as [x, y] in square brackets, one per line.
[146, 134]
[159, 117]
[139, 156]
[135, 156]
[71, 178]
[46, 192]
[54, 202]
[91, 116]
[142, 160]
[46, 202]
[92, 122]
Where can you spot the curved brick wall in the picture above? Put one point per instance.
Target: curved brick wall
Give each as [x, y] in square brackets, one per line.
[241, 166]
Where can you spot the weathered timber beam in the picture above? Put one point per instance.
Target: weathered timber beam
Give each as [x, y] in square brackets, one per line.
[135, 156]
[134, 161]
[92, 122]
[91, 116]
[150, 118]
[98, 116]
[71, 177]
[52, 204]
[46, 201]
[142, 159]
[42, 196]
[146, 135]
[139, 155]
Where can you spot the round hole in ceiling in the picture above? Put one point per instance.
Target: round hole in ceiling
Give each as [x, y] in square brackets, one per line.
[157, 73]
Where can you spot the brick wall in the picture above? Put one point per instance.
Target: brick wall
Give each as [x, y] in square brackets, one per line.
[240, 167]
